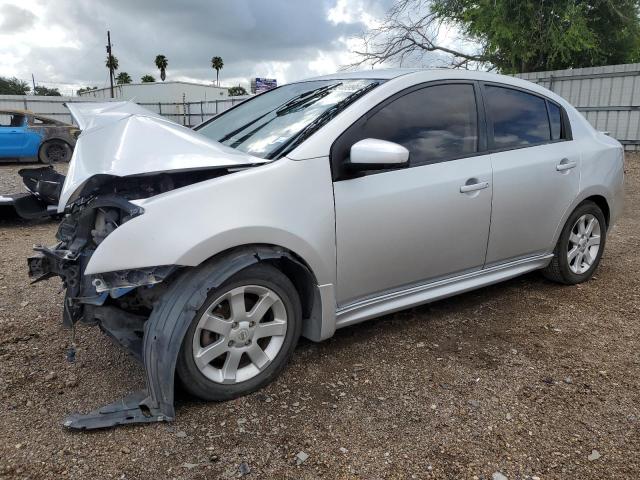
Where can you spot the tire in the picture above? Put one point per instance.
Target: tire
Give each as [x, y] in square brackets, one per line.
[206, 380]
[566, 271]
[54, 151]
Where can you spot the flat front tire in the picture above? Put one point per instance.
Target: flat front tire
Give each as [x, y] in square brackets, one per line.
[242, 336]
[580, 246]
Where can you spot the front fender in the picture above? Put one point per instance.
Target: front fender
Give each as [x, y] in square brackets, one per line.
[285, 203]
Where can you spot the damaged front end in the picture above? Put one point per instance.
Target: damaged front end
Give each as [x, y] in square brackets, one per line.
[119, 302]
[110, 170]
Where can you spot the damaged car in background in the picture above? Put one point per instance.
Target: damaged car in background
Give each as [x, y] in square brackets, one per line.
[26, 136]
[311, 207]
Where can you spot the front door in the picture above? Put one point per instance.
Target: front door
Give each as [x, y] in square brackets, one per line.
[15, 138]
[396, 228]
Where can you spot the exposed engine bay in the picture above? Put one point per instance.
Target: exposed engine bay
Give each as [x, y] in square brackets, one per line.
[103, 206]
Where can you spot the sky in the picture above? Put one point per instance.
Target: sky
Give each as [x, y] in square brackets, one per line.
[62, 42]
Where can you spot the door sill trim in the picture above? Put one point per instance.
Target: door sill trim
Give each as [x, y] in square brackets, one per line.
[424, 293]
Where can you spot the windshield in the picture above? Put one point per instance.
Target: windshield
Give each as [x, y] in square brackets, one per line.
[272, 123]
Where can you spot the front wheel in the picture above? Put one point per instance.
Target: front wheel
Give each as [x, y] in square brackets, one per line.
[580, 246]
[242, 336]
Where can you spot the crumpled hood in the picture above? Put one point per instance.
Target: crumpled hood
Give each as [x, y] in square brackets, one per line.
[123, 139]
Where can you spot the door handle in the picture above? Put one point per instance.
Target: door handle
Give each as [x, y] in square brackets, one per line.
[473, 187]
[565, 164]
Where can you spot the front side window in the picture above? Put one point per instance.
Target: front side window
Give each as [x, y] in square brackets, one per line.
[518, 118]
[11, 120]
[434, 123]
[272, 123]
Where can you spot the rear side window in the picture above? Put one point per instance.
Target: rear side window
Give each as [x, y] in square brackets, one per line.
[518, 118]
[41, 121]
[434, 123]
[555, 120]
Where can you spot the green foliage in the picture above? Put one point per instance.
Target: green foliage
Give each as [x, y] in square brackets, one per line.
[111, 61]
[162, 63]
[237, 91]
[85, 89]
[538, 35]
[47, 92]
[13, 86]
[123, 78]
[147, 79]
[217, 64]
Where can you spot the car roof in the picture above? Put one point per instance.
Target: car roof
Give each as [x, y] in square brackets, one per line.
[421, 75]
[17, 110]
[33, 114]
[376, 74]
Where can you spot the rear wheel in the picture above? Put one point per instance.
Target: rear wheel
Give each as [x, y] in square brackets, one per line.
[54, 151]
[242, 336]
[580, 246]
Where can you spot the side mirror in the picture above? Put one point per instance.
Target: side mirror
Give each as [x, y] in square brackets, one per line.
[374, 154]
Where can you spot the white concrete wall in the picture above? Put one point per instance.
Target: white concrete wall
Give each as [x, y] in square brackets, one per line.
[163, 92]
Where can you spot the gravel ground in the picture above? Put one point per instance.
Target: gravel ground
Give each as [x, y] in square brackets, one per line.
[525, 378]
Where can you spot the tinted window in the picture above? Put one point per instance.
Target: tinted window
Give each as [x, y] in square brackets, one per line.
[518, 118]
[434, 123]
[555, 118]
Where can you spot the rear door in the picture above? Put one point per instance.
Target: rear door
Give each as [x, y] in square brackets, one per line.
[536, 171]
[396, 228]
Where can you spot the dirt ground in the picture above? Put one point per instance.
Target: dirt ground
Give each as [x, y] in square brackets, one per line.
[526, 378]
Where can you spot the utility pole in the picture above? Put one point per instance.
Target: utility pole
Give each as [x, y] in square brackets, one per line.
[34, 83]
[110, 62]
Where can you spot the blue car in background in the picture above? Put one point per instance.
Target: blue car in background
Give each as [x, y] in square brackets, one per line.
[25, 136]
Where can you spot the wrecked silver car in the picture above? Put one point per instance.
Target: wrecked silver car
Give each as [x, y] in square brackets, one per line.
[312, 207]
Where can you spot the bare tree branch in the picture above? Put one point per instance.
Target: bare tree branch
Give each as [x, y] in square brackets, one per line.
[411, 31]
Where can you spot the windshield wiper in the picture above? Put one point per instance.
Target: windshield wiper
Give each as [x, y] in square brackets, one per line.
[281, 110]
[322, 119]
[305, 99]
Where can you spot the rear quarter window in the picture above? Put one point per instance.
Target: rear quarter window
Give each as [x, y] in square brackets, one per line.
[555, 120]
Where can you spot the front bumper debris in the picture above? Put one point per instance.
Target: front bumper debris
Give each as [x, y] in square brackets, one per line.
[134, 408]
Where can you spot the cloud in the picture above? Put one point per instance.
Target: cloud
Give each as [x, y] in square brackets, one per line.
[15, 19]
[286, 39]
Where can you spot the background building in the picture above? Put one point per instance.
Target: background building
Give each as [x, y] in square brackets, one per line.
[161, 92]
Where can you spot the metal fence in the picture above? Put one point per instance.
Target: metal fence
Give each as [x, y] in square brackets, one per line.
[184, 113]
[609, 97]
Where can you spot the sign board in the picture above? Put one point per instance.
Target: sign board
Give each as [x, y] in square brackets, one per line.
[260, 85]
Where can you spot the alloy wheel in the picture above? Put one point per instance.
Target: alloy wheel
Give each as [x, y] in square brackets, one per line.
[239, 334]
[584, 244]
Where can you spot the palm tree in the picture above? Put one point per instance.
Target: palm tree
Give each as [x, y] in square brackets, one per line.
[147, 79]
[162, 63]
[217, 64]
[112, 62]
[123, 78]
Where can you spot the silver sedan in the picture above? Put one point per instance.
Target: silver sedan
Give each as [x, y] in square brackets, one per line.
[314, 206]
